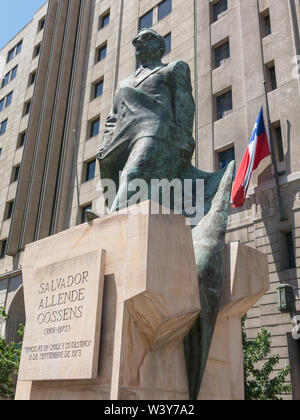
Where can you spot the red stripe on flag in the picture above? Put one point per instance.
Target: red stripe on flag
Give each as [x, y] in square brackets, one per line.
[262, 149]
[238, 192]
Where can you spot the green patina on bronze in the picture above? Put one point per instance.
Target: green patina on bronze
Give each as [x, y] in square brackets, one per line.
[148, 135]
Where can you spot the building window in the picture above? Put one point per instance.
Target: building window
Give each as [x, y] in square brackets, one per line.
[10, 55]
[3, 247]
[104, 19]
[32, 77]
[164, 9]
[9, 210]
[98, 89]
[27, 108]
[36, 50]
[168, 42]
[19, 47]
[265, 23]
[14, 73]
[146, 21]
[83, 209]
[9, 76]
[278, 143]
[222, 53]
[224, 105]
[101, 53]
[225, 157]
[3, 126]
[8, 99]
[271, 76]
[290, 249]
[219, 9]
[42, 24]
[95, 127]
[5, 80]
[15, 174]
[90, 170]
[21, 139]
[287, 250]
[14, 51]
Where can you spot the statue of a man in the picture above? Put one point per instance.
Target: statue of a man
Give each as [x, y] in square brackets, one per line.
[148, 135]
[149, 130]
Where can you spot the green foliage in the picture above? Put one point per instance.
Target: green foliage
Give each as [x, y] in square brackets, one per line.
[10, 354]
[261, 383]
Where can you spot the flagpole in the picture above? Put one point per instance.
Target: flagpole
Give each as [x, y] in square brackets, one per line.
[273, 156]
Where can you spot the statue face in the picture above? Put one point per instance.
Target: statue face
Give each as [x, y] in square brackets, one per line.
[147, 47]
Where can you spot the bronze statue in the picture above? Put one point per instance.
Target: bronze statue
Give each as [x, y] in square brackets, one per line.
[148, 134]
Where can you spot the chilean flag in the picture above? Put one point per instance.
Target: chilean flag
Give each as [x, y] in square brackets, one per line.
[257, 150]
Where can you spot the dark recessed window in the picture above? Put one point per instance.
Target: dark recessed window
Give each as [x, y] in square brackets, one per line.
[3, 247]
[37, 51]
[3, 126]
[98, 89]
[225, 157]
[8, 99]
[95, 127]
[168, 42]
[42, 24]
[104, 19]
[16, 173]
[27, 108]
[101, 53]
[14, 73]
[224, 105]
[164, 9]
[90, 170]
[273, 80]
[146, 21]
[219, 9]
[277, 133]
[265, 22]
[2, 104]
[222, 53]
[287, 250]
[290, 250]
[32, 78]
[9, 210]
[83, 209]
[21, 139]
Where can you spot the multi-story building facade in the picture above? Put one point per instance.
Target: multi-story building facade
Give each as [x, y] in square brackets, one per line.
[59, 79]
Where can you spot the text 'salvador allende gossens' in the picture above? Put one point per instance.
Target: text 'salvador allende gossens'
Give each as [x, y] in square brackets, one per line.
[68, 292]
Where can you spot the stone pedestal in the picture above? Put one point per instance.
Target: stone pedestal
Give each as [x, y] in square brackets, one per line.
[147, 298]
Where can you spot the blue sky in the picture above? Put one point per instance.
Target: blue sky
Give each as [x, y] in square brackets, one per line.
[14, 15]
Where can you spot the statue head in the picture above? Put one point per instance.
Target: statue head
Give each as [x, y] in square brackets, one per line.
[149, 46]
